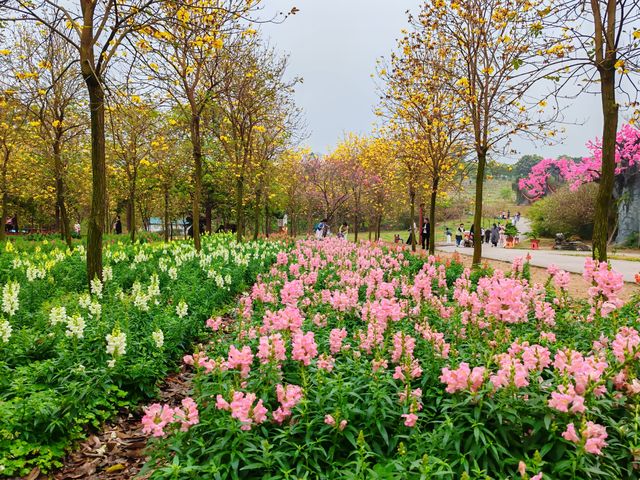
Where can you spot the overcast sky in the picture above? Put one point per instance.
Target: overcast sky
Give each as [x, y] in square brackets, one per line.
[334, 44]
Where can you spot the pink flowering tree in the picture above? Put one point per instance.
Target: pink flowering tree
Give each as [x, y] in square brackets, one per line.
[544, 176]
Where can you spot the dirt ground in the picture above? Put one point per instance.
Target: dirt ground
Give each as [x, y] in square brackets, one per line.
[577, 288]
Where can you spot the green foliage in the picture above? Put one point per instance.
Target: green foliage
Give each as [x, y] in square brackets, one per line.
[53, 386]
[566, 211]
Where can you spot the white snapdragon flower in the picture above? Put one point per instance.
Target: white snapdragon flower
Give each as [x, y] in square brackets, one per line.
[158, 338]
[107, 273]
[95, 309]
[5, 330]
[58, 315]
[75, 326]
[116, 345]
[181, 309]
[173, 273]
[84, 300]
[10, 302]
[96, 287]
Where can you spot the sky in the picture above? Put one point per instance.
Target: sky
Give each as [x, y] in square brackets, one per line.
[334, 44]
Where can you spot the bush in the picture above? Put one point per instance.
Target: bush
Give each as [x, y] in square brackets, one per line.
[566, 211]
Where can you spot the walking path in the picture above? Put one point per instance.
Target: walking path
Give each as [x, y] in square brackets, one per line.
[569, 261]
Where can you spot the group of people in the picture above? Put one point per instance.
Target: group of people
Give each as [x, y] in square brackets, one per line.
[495, 235]
[322, 229]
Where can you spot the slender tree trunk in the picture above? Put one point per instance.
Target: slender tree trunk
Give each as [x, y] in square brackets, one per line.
[412, 233]
[267, 224]
[65, 229]
[477, 216]
[132, 205]
[378, 227]
[196, 141]
[239, 208]
[356, 219]
[166, 214]
[97, 216]
[5, 164]
[256, 215]
[604, 200]
[432, 215]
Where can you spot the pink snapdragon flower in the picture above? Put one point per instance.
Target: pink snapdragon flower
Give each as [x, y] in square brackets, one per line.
[626, 344]
[214, 323]
[463, 378]
[336, 337]
[288, 397]
[272, 349]
[303, 347]
[243, 409]
[593, 436]
[155, 418]
[241, 359]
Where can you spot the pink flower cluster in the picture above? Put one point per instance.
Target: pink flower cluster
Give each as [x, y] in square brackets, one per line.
[272, 349]
[463, 378]
[329, 420]
[303, 347]
[626, 343]
[288, 397]
[157, 417]
[336, 337]
[289, 318]
[243, 409]
[202, 361]
[240, 359]
[593, 436]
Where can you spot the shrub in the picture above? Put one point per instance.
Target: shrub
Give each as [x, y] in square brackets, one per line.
[566, 211]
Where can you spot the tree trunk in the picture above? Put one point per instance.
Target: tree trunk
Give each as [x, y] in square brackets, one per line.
[432, 216]
[378, 227]
[166, 214]
[239, 208]
[256, 215]
[132, 205]
[607, 174]
[356, 219]
[267, 224]
[477, 215]
[65, 229]
[196, 142]
[412, 233]
[97, 216]
[4, 213]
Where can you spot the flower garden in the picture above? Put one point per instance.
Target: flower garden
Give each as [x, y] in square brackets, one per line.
[319, 359]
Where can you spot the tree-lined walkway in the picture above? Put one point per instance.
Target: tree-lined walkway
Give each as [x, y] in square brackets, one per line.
[569, 261]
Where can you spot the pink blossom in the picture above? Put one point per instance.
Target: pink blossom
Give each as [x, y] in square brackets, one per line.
[336, 336]
[329, 420]
[241, 359]
[155, 418]
[214, 323]
[272, 349]
[303, 347]
[410, 419]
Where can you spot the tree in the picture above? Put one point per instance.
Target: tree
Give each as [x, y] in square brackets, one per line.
[96, 30]
[419, 98]
[132, 122]
[49, 87]
[183, 54]
[13, 131]
[255, 112]
[489, 43]
[598, 41]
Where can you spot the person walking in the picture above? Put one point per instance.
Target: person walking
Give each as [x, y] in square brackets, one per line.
[495, 235]
[503, 238]
[118, 225]
[343, 231]
[426, 233]
[487, 235]
[320, 228]
[447, 234]
[459, 234]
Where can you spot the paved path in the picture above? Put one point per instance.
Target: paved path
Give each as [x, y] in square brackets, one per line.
[569, 261]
